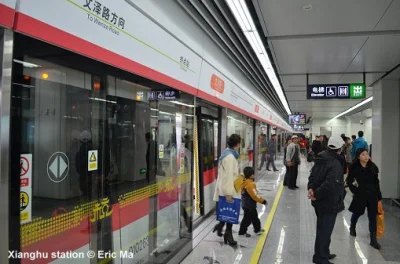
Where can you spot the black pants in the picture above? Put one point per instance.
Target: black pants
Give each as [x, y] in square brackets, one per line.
[286, 179]
[325, 225]
[250, 217]
[371, 207]
[292, 176]
[228, 226]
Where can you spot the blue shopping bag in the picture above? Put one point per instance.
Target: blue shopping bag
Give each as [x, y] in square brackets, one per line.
[228, 212]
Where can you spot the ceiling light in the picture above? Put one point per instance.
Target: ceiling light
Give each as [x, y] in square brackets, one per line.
[307, 8]
[369, 99]
[246, 23]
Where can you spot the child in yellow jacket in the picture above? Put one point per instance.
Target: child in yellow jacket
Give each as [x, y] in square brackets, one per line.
[249, 203]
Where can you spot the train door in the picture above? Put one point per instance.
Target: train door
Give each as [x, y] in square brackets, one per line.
[204, 183]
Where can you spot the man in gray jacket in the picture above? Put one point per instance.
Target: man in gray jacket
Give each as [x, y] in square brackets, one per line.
[293, 162]
[271, 152]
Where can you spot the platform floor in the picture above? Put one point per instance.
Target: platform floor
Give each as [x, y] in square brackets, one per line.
[291, 226]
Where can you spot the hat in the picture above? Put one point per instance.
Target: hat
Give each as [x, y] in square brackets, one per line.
[294, 136]
[335, 142]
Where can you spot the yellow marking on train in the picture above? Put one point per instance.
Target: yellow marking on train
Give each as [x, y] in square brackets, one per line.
[41, 229]
[267, 226]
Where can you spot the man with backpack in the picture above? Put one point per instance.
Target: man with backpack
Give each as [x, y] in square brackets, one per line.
[326, 191]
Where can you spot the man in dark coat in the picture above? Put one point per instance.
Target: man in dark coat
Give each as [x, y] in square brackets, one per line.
[326, 191]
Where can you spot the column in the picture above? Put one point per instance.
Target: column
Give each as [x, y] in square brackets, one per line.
[385, 134]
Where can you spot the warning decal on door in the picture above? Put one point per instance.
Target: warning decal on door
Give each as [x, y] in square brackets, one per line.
[92, 160]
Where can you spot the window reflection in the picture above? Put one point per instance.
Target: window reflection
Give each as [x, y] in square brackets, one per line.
[139, 199]
[243, 126]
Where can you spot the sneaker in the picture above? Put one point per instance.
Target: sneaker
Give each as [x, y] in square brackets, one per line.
[259, 231]
[245, 235]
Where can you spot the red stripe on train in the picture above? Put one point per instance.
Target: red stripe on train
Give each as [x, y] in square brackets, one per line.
[123, 216]
[6, 16]
[69, 240]
[209, 176]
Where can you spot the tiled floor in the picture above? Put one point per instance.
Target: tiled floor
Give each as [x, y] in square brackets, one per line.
[292, 234]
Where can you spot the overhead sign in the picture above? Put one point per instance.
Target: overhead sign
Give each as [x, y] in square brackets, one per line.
[58, 167]
[336, 91]
[92, 160]
[166, 95]
[26, 188]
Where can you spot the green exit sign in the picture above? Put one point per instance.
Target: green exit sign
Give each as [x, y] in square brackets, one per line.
[357, 91]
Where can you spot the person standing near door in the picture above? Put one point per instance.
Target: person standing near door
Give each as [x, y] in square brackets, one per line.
[293, 162]
[228, 171]
[263, 149]
[271, 152]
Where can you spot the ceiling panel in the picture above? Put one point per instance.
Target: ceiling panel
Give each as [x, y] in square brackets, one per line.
[286, 17]
[380, 53]
[391, 19]
[296, 96]
[324, 55]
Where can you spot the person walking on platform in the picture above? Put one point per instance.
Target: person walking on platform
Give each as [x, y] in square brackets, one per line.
[263, 148]
[326, 191]
[293, 162]
[228, 171]
[316, 146]
[359, 143]
[249, 204]
[363, 182]
[271, 152]
[285, 180]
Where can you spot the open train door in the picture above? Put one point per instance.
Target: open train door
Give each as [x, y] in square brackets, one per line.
[208, 127]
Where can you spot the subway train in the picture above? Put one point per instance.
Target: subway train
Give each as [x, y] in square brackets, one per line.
[117, 152]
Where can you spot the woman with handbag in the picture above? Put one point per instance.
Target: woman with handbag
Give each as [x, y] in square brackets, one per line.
[363, 182]
[228, 172]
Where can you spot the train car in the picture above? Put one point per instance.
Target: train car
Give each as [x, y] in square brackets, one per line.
[117, 130]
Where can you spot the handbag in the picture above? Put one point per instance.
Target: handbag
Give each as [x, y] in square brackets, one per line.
[380, 221]
[228, 212]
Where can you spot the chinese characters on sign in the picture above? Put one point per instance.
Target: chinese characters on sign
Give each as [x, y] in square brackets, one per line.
[336, 91]
[217, 84]
[103, 16]
[101, 210]
[168, 95]
[184, 63]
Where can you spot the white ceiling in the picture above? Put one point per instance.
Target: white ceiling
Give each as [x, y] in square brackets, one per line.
[336, 42]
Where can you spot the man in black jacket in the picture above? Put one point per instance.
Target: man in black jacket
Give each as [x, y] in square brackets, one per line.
[326, 191]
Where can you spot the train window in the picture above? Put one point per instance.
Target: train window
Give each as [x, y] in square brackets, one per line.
[105, 165]
[243, 126]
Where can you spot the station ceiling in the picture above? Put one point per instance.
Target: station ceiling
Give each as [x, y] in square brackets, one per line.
[331, 42]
